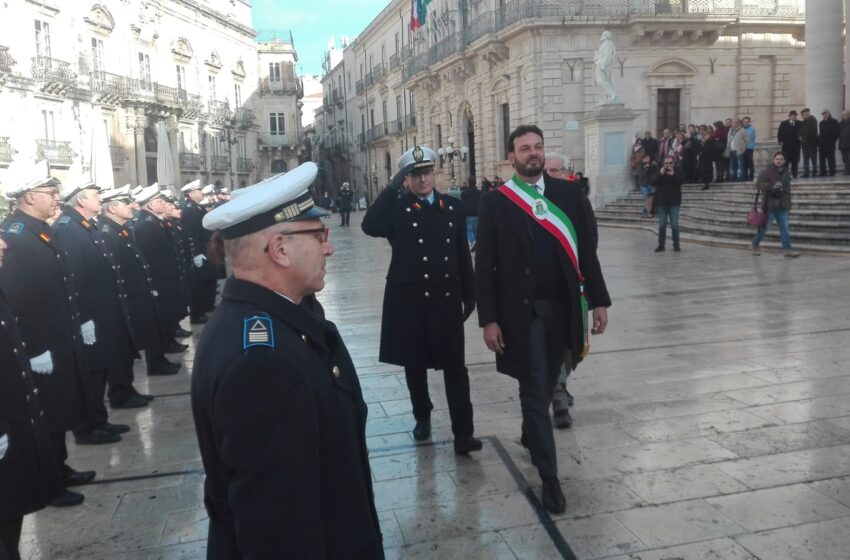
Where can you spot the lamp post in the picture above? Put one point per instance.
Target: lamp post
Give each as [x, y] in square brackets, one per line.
[450, 153]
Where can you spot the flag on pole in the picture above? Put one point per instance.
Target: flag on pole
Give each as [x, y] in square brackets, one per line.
[418, 10]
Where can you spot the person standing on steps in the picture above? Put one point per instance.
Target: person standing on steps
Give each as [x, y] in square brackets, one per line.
[788, 136]
[809, 141]
[774, 186]
[830, 132]
[668, 199]
[536, 274]
[429, 292]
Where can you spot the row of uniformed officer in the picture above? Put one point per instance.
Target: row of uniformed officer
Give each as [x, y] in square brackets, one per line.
[29, 475]
[42, 294]
[203, 273]
[278, 409]
[429, 291]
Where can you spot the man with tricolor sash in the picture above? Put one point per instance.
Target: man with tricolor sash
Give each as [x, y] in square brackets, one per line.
[537, 275]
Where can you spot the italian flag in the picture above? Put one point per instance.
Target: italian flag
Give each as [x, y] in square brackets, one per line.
[418, 10]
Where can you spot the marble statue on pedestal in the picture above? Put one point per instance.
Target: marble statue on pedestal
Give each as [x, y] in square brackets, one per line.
[603, 67]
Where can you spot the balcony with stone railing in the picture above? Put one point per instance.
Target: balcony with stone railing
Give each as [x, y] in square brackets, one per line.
[7, 152]
[285, 85]
[409, 121]
[395, 61]
[244, 165]
[368, 80]
[337, 97]
[57, 154]
[220, 163]
[54, 76]
[358, 86]
[377, 72]
[244, 118]
[190, 161]
[118, 156]
[218, 112]
[275, 140]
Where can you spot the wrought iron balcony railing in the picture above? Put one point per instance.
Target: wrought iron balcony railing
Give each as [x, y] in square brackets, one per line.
[57, 154]
[219, 111]
[244, 165]
[287, 84]
[220, 163]
[191, 161]
[244, 117]
[276, 140]
[377, 72]
[51, 70]
[409, 121]
[358, 86]
[6, 60]
[394, 61]
[7, 152]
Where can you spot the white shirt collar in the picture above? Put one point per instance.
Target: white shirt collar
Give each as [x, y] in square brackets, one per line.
[540, 185]
[285, 297]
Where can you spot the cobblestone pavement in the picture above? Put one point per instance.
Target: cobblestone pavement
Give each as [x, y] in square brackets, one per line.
[711, 421]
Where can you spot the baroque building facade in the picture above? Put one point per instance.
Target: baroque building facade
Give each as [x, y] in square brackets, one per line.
[476, 70]
[146, 70]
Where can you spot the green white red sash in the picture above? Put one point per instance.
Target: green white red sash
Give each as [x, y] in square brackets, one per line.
[553, 220]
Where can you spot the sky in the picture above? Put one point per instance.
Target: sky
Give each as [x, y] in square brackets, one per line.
[313, 22]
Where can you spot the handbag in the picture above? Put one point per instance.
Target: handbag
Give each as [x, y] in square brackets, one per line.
[756, 217]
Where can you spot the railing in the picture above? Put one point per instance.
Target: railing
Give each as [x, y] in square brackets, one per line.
[394, 62]
[376, 132]
[395, 126]
[337, 96]
[244, 117]
[377, 72]
[57, 154]
[287, 84]
[368, 80]
[218, 110]
[118, 156]
[406, 53]
[220, 163]
[6, 60]
[7, 152]
[275, 139]
[51, 70]
[358, 86]
[244, 165]
[361, 139]
[191, 161]
[409, 121]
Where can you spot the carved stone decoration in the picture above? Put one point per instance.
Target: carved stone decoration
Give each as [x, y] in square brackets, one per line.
[214, 61]
[431, 84]
[496, 55]
[100, 19]
[239, 71]
[182, 49]
[149, 14]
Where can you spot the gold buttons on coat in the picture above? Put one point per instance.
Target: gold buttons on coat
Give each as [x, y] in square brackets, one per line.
[421, 241]
[335, 371]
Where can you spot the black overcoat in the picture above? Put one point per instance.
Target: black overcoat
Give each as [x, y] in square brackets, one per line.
[100, 288]
[281, 426]
[504, 272]
[29, 475]
[138, 285]
[430, 275]
[155, 244]
[40, 291]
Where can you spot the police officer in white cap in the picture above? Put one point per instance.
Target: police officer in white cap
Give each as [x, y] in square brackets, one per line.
[40, 290]
[429, 291]
[277, 404]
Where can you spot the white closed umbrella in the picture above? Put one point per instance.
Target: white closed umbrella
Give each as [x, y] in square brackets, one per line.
[101, 159]
[164, 163]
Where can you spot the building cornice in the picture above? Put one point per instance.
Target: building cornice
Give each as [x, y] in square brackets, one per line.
[219, 17]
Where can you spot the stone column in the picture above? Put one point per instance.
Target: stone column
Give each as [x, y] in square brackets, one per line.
[141, 160]
[174, 144]
[825, 55]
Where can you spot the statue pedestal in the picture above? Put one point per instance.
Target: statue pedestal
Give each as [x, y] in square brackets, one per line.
[608, 142]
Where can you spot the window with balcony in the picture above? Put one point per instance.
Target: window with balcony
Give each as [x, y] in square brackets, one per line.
[42, 38]
[277, 124]
[145, 80]
[211, 86]
[274, 71]
[237, 95]
[97, 64]
[49, 125]
[181, 78]
[384, 115]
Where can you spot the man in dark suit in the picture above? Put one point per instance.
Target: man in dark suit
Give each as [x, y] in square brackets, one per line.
[279, 414]
[202, 272]
[40, 291]
[788, 136]
[29, 476]
[429, 292]
[829, 132]
[343, 202]
[535, 262]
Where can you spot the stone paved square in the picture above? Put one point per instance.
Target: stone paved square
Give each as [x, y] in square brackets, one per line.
[711, 422]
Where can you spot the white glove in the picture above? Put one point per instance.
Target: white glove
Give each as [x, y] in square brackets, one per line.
[42, 364]
[155, 293]
[87, 329]
[4, 445]
[199, 260]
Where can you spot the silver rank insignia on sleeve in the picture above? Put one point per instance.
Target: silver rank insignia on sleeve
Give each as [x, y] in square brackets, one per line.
[257, 330]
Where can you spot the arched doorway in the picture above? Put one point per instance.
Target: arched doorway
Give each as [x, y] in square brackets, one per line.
[151, 145]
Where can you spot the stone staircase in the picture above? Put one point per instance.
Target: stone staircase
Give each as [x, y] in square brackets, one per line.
[820, 215]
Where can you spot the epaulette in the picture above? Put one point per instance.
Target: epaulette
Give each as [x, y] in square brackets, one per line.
[257, 330]
[14, 228]
[104, 227]
[63, 220]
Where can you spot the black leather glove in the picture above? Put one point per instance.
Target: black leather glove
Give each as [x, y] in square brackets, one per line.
[468, 308]
[398, 179]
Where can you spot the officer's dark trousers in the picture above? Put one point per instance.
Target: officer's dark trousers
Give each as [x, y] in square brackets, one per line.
[345, 217]
[457, 394]
[120, 378]
[10, 536]
[60, 450]
[548, 334]
[827, 160]
[95, 413]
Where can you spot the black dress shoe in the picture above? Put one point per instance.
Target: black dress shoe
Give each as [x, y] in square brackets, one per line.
[570, 399]
[68, 498]
[676, 248]
[659, 249]
[463, 445]
[523, 440]
[148, 398]
[114, 428]
[422, 430]
[135, 401]
[76, 478]
[182, 333]
[97, 437]
[552, 496]
[198, 320]
[176, 348]
[164, 369]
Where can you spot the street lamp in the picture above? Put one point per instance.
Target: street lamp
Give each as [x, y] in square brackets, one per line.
[450, 153]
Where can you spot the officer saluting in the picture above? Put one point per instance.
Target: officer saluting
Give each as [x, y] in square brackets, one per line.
[279, 414]
[29, 476]
[429, 291]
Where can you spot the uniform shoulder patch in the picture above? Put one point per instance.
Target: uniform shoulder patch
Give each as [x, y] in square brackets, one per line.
[257, 330]
[15, 228]
[63, 220]
[105, 227]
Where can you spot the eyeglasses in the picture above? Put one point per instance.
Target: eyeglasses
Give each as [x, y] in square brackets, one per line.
[323, 232]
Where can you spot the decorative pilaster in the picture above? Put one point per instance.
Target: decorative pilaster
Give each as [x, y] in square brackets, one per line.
[825, 55]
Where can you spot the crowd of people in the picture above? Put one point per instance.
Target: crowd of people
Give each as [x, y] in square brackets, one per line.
[90, 280]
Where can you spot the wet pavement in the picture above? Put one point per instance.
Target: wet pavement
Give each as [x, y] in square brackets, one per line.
[712, 420]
